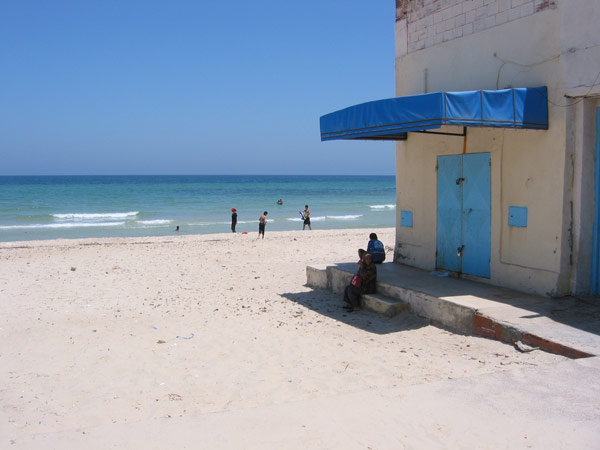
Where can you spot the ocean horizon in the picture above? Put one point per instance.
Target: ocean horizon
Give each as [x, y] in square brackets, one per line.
[85, 206]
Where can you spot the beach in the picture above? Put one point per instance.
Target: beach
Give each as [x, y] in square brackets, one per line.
[115, 331]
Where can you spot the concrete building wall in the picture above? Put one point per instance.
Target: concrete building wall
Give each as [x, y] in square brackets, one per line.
[528, 259]
[580, 60]
[580, 47]
[581, 132]
[528, 167]
[428, 23]
[522, 53]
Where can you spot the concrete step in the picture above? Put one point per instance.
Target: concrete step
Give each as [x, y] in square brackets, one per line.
[383, 305]
[465, 306]
[326, 277]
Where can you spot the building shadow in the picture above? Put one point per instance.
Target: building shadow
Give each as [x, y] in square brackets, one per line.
[581, 312]
[331, 305]
[577, 312]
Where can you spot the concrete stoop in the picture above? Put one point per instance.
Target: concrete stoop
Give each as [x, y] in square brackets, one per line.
[494, 329]
[391, 300]
[460, 314]
[383, 305]
[327, 277]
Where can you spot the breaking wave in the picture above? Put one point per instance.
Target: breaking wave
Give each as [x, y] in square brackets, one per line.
[84, 216]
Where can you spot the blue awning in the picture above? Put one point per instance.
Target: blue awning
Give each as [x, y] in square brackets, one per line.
[390, 119]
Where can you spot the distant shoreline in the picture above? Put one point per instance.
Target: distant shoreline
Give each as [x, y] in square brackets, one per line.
[116, 240]
[77, 207]
[199, 175]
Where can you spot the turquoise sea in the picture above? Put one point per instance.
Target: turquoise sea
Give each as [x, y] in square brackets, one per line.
[51, 207]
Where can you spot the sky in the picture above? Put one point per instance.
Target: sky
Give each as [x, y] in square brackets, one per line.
[190, 87]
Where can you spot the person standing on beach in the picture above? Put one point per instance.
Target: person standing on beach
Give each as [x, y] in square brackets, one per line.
[262, 221]
[306, 217]
[233, 219]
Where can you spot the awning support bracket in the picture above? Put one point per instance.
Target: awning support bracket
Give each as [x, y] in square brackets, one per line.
[463, 134]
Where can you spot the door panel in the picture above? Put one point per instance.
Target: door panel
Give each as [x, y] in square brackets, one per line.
[464, 213]
[476, 214]
[448, 213]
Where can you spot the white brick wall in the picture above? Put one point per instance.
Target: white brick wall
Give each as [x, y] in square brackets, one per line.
[431, 22]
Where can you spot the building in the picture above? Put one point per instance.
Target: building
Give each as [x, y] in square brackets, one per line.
[497, 118]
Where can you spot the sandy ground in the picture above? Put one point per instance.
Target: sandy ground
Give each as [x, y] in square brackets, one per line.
[114, 331]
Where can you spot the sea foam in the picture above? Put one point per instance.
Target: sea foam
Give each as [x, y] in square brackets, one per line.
[61, 225]
[323, 218]
[382, 206]
[83, 216]
[347, 217]
[154, 222]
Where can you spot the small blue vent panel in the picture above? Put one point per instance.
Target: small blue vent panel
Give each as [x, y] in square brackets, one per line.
[406, 218]
[517, 216]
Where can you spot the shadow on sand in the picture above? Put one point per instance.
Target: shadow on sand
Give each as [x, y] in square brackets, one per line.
[582, 313]
[331, 305]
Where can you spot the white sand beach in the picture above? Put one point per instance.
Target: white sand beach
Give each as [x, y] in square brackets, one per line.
[116, 331]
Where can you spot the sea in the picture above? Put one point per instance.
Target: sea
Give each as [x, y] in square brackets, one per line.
[53, 207]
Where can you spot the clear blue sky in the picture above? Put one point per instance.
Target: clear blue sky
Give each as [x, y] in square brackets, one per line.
[190, 87]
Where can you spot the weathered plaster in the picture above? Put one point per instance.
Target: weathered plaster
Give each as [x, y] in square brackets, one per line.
[581, 126]
[431, 22]
[580, 47]
[458, 45]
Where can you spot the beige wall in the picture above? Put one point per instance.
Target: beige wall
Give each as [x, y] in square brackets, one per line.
[581, 127]
[528, 259]
[528, 166]
[523, 53]
[580, 46]
[430, 22]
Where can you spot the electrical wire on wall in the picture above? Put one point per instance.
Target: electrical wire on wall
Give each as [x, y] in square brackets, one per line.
[528, 67]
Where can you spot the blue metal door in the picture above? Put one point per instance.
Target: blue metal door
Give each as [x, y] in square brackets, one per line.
[476, 214]
[449, 207]
[464, 213]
